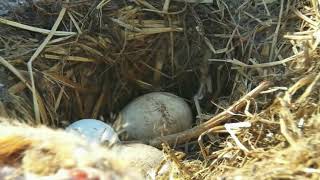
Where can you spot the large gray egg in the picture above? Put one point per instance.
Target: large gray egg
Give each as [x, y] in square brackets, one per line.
[153, 115]
[94, 131]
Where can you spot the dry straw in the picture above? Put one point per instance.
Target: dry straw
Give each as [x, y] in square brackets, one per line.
[234, 61]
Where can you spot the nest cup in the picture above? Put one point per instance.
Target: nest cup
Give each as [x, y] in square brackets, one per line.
[101, 55]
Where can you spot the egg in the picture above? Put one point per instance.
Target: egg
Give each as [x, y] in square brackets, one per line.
[142, 157]
[94, 131]
[153, 115]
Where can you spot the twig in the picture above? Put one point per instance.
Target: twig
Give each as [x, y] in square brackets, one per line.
[262, 65]
[36, 54]
[25, 82]
[99, 103]
[14, 71]
[196, 1]
[203, 150]
[308, 90]
[175, 160]
[230, 126]
[196, 131]
[166, 5]
[35, 29]
[275, 35]
[305, 18]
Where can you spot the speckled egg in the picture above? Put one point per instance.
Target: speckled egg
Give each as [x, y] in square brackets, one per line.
[153, 115]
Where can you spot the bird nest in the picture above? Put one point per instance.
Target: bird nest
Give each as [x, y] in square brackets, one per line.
[249, 70]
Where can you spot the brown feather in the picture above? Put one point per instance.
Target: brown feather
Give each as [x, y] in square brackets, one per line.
[12, 149]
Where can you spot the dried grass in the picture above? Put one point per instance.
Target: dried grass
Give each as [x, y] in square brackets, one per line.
[106, 53]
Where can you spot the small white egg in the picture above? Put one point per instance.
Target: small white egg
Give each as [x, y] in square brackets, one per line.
[143, 157]
[94, 131]
[153, 115]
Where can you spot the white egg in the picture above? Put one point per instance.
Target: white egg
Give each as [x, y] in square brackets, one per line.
[94, 131]
[143, 157]
[153, 115]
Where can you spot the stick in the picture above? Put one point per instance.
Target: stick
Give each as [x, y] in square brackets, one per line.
[34, 29]
[35, 55]
[196, 131]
